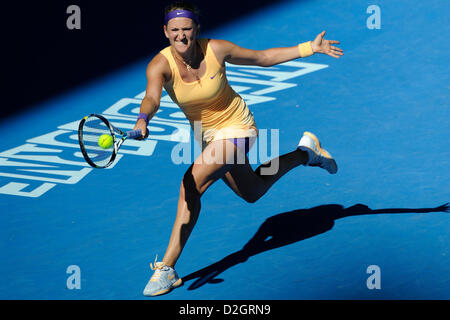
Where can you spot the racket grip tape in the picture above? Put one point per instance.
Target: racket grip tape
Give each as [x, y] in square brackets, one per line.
[134, 134]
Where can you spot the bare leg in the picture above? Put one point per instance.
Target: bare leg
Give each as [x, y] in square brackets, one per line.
[210, 166]
[253, 184]
[206, 169]
[187, 215]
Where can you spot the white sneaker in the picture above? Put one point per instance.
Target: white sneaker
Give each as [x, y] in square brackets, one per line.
[318, 157]
[162, 281]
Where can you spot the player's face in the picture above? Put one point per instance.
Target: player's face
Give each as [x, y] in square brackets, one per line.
[182, 33]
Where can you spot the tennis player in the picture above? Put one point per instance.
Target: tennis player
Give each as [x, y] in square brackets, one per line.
[192, 71]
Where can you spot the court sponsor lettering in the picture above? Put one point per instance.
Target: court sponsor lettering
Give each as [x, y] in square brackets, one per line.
[54, 158]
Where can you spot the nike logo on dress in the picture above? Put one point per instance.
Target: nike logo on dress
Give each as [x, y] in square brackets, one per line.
[213, 76]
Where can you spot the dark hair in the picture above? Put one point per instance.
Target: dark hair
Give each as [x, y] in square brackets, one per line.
[183, 5]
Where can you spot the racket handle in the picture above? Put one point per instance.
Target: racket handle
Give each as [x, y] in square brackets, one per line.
[134, 134]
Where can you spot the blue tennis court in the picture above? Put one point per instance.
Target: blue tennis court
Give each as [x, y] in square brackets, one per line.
[378, 229]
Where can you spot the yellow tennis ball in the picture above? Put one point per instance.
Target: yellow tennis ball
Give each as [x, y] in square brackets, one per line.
[105, 141]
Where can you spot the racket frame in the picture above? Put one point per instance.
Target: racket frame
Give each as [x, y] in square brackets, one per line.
[117, 141]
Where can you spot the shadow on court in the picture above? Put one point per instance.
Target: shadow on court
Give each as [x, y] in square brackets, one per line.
[290, 227]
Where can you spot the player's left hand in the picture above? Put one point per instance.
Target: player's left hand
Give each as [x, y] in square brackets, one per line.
[324, 46]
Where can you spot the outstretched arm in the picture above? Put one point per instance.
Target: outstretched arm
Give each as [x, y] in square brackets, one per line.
[321, 45]
[157, 73]
[226, 51]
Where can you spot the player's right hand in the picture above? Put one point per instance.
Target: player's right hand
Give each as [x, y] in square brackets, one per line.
[141, 125]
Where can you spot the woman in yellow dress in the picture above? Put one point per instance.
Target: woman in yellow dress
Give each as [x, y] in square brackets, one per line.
[192, 71]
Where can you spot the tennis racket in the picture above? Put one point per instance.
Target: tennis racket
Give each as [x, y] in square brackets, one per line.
[90, 130]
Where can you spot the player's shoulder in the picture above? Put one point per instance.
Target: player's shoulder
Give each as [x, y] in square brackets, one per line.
[220, 44]
[221, 48]
[159, 64]
[158, 61]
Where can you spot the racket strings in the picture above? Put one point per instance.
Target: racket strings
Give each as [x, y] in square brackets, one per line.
[92, 130]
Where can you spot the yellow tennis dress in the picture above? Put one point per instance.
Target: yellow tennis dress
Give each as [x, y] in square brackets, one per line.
[211, 101]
